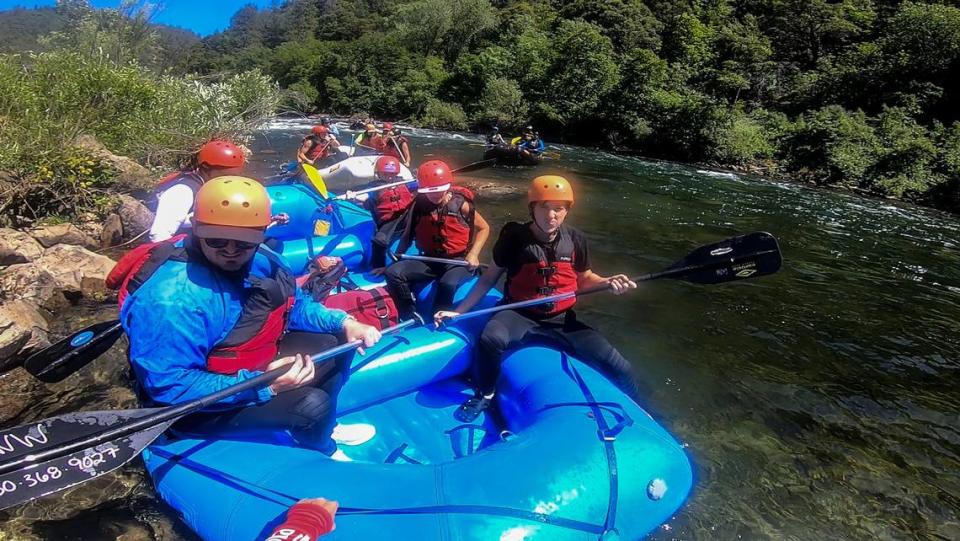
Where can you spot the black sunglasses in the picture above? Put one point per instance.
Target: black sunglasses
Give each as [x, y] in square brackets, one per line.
[216, 244]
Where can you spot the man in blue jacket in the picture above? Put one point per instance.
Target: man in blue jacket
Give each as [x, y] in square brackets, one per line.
[531, 144]
[209, 310]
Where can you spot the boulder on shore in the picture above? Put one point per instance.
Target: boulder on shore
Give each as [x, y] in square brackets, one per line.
[58, 278]
[76, 268]
[17, 247]
[23, 331]
[51, 235]
[129, 172]
[135, 217]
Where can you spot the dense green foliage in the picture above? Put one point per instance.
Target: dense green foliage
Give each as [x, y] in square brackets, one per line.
[89, 82]
[853, 93]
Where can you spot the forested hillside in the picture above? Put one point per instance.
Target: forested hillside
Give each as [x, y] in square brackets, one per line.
[861, 94]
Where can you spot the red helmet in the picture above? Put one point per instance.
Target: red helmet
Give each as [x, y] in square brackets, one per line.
[387, 167]
[320, 130]
[434, 176]
[221, 154]
[388, 126]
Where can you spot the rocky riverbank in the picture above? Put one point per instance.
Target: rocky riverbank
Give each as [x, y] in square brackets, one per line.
[46, 269]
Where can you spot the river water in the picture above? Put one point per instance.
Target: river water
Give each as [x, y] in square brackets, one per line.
[819, 403]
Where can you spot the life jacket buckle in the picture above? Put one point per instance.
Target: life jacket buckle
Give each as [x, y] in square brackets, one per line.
[547, 271]
[546, 290]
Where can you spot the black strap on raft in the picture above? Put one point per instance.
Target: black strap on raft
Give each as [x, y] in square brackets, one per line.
[613, 408]
[471, 439]
[398, 453]
[607, 435]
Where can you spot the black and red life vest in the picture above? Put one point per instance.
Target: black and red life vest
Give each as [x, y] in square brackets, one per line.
[390, 203]
[395, 147]
[445, 231]
[190, 179]
[253, 341]
[544, 272]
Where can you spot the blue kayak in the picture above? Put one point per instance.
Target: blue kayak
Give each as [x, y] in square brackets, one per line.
[562, 455]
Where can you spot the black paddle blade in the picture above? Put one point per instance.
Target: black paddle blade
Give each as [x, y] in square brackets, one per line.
[69, 355]
[33, 466]
[737, 258]
[475, 166]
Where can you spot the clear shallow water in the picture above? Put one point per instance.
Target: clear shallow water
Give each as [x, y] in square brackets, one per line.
[822, 402]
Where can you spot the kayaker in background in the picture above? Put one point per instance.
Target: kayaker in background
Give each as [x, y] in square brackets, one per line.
[370, 140]
[541, 257]
[495, 138]
[207, 310]
[176, 191]
[306, 520]
[446, 224]
[389, 209]
[319, 149]
[331, 126]
[395, 144]
[531, 144]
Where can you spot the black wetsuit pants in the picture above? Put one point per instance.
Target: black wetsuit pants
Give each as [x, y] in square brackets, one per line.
[308, 412]
[510, 329]
[403, 275]
[387, 232]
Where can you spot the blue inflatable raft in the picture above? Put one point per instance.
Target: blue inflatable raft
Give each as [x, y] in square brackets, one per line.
[563, 455]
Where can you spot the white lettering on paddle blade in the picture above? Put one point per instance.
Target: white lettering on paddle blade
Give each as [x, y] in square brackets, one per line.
[10, 442]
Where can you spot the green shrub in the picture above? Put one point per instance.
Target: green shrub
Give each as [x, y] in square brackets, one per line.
[832, 146]
[444, 116]
[740, 139]
[47, 100]
[905, 165]
[502, 103]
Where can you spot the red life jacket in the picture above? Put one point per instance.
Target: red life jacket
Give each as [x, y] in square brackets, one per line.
[445, 231]
[319, 149]
[253, 342]
[372, 306]
[191, 179]
[391, 202]
[543, 274]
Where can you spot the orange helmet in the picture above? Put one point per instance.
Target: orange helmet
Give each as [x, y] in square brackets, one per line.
[232, 207]
[388, 126]
[550, 188]
[320, 130]
[221, 154]
[433, 176]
